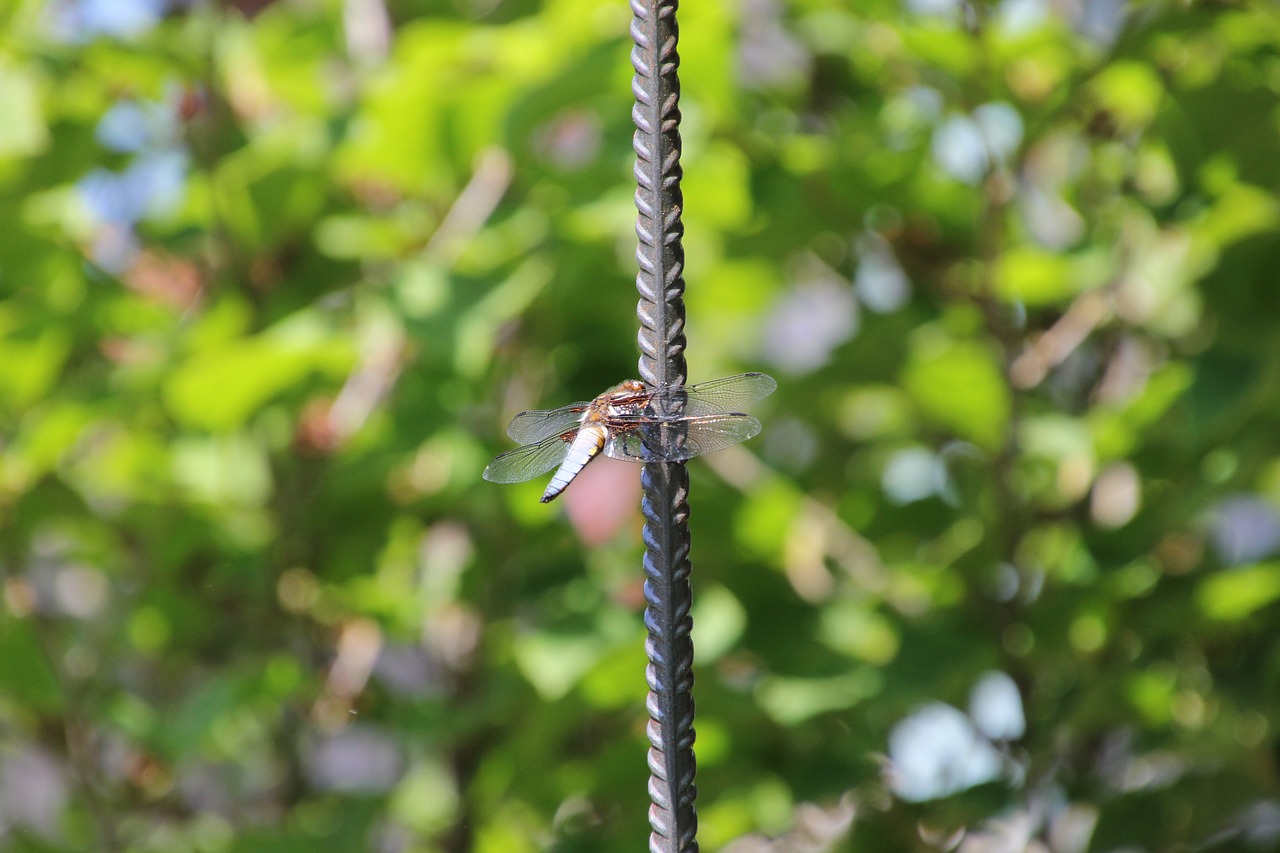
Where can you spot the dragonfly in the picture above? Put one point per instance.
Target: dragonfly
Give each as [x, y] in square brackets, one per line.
[634, 422]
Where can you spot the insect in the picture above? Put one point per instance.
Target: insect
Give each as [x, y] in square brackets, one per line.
[633, 422]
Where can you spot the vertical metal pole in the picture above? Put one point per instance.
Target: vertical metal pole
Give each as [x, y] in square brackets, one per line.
[660, 283]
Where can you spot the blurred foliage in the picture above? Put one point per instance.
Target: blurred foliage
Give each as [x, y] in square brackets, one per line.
[1001, 572]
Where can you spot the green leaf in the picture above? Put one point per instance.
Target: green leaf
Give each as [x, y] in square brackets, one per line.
[850, 627]
[1130, 91]
[25, 676]
[1234, 593]
[1151, 692]
[718, 622]
[23, 131]
[1034, 276]
[765, 519]
[958, 385]
[29, 366]
[791, 701]
[1240, 212]
[220, 388]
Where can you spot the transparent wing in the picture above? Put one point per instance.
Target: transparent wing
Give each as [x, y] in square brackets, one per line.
[525, 463]
[530, 427]
[730, 394]
[680, 439]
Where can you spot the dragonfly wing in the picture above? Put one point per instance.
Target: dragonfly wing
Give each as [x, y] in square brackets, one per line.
[531, 427]
[525, 463]
[730, 394]
[680, 439]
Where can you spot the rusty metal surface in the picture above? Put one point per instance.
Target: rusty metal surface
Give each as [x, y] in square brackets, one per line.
[660, 283]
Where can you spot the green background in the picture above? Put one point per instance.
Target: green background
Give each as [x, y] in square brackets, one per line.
[1002, 569]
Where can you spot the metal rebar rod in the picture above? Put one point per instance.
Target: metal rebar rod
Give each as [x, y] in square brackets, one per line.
[660, 284]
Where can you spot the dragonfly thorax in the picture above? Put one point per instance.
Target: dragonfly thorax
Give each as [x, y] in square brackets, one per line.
[626, 398]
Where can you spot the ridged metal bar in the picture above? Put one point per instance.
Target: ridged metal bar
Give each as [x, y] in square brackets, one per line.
[660, 283]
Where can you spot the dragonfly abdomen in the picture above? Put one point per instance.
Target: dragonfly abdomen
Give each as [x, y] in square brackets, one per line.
[586, 446]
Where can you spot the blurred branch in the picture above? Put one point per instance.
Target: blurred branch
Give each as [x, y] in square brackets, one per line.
[473, 206]
[368, 384]
[814, 830]
[359, 642]
[1062, 338]
[368, 29]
